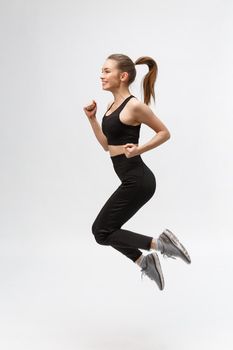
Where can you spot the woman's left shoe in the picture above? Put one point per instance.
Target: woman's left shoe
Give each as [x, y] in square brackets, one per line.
[151, 268]
[172, 246]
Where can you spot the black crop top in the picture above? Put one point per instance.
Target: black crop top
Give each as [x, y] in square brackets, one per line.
[119, 133]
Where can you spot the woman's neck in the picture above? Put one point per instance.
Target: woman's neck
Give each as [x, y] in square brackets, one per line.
[120, 96]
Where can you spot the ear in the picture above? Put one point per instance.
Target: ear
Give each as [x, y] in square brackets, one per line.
[124, 76]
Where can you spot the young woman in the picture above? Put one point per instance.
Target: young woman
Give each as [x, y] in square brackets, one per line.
[119, 134]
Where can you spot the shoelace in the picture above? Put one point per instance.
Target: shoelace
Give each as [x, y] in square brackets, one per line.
[166, 255]
[143, 273]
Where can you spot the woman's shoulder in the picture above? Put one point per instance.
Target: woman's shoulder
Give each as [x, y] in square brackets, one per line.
[136, 105]
[135, 102]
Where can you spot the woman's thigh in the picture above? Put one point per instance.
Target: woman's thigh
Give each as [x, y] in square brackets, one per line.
[136, 189]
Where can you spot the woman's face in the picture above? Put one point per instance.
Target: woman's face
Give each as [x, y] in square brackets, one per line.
[111, 75]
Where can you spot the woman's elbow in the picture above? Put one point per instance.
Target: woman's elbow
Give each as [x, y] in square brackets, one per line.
[168, 135]
[105, 147]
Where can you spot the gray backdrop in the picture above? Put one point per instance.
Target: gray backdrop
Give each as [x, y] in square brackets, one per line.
[59, 289]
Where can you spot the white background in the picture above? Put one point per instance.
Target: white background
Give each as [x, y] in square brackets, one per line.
[59, 289]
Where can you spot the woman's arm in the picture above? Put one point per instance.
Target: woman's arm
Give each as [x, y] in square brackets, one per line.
[90, 112]
[143, 114]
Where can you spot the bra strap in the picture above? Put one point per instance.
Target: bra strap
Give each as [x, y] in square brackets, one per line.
[121, 106]
[124, 103]
[109, 107]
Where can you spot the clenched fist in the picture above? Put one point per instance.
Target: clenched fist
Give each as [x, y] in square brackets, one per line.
[90, 109]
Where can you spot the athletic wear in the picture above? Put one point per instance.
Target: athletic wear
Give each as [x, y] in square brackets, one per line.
[137, 186]
[119, 133]
[152, 268]
[172, 247]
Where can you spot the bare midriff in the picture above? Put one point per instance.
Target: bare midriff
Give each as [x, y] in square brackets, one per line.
[115, 150]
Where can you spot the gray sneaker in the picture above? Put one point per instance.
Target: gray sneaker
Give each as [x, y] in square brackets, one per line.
[172, 247]
[151, 267]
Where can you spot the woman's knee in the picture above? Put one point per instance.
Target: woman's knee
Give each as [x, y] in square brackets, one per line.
[99, 234]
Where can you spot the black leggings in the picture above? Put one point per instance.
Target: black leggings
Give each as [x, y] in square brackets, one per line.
[137, 186]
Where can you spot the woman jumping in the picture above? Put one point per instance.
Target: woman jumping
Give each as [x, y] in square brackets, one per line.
[119, 134]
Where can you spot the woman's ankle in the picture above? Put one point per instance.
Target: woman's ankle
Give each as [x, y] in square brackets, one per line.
[153, 244]
[156, 244]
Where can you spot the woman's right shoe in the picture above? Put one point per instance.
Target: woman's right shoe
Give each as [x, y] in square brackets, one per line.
[151, 267]
[172, 247]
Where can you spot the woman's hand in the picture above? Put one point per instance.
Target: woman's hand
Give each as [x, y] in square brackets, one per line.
[90, 109]
[131, 150]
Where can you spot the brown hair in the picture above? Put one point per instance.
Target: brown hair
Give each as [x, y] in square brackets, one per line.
[125, 64]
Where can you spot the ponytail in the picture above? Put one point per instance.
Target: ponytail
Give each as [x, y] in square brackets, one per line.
[150, 77]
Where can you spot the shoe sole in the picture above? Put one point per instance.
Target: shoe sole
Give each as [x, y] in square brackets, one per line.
[174, 240]
[158, 268]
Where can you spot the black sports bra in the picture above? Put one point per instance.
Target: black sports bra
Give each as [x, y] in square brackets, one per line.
[119, 133]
